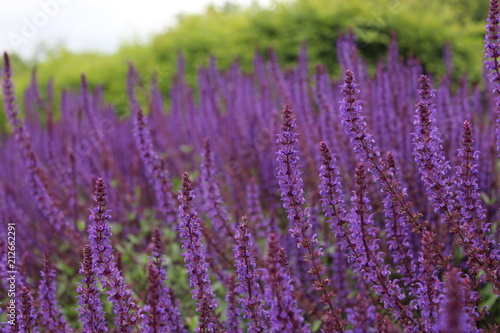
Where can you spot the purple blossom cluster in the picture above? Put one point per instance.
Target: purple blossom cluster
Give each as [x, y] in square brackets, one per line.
[306, 203]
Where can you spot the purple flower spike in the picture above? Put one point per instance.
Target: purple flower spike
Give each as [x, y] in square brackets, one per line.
[473, 228]
[27, 317]
[233, 312]
[426, 291]
[104, 264]
[362, 315]
[290, 181]
[51, 317]
[91, 308]
[429, 155]
[398, 233]
[492, 59]
[161, 311]
[194, 258]
[332, 197]
[285, 315]
[370, 262]
[248, 287]
[492, 48]
[351, 111]
[292, 196]
[454, 315]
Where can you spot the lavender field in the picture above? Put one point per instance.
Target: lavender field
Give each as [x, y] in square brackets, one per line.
[277, 200]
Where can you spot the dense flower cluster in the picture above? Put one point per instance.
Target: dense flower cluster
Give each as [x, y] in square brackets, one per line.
[390, 224]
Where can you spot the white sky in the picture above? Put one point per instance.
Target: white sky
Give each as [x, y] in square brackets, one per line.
[26, 25]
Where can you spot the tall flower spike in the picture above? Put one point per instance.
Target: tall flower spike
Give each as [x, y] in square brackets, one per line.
[453, 314]
[333, 204]
[27, 318]
[162, 312]
[232, 311]
[194, 259]
[104, 264]
[426, 290]
[292, 196]
[398, 233]
[248, 286]
[332, 197]
[481, 250]
[152, 321]
[91, 309]
[429, 155]
[354, 121]
[285, 316]
[370, 262]
[51, 317]
[362, 315]
[492, 59]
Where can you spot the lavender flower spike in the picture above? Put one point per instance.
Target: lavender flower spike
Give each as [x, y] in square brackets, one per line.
[104, 263]
[292, 196]
[91, 309]
[251, 302]
[429, 155]
[51, 317]
[426, 292]
[162, 309]
[27, 317]
[482, 252]
[492, 59]
[289, 174]
[353, 121]
[453, 315]
[370, 263]
[332, 197]
[492, 48]
[285, 315]
[194, 258]
[233, 312]
[398, 233]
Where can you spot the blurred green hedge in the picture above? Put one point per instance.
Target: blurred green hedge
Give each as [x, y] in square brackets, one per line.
[230, 32]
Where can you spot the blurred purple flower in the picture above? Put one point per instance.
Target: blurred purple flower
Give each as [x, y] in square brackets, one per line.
[91, 309]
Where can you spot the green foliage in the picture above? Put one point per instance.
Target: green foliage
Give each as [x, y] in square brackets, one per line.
[230, 32]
